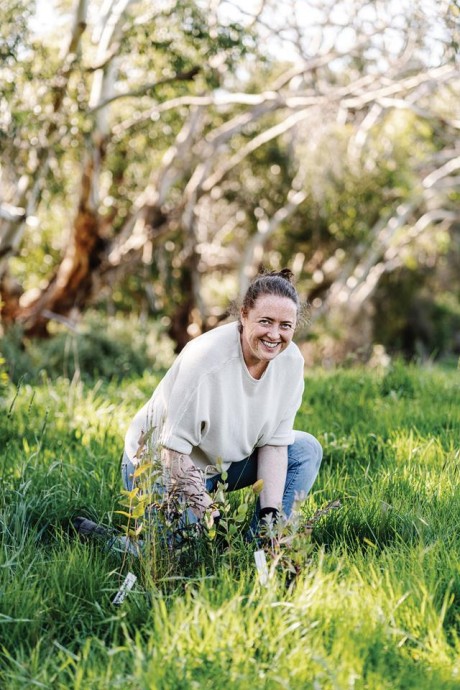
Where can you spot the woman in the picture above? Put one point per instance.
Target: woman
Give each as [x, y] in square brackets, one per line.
[228, 403]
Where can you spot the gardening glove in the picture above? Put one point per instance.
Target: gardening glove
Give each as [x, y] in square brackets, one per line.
[268, 518]
[268, 515]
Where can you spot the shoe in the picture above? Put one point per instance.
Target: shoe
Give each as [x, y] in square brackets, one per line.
[87, 528]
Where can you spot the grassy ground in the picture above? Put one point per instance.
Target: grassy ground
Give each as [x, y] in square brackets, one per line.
[376, 606]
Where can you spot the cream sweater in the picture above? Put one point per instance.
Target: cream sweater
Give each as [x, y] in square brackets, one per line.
[208, 405]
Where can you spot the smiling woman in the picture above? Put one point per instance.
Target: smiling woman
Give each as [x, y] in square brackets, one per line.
[228, 404]
[267, 329]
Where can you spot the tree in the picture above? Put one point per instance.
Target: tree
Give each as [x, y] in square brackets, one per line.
[233, 136]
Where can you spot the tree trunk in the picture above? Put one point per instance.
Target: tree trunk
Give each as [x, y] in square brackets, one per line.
[71, 285]
[182, 316]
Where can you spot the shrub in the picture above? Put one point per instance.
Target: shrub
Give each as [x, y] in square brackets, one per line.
[18, 358]
[109, 348]
[398, 381]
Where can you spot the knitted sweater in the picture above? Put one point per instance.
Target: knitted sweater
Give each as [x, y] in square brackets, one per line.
[209, 406]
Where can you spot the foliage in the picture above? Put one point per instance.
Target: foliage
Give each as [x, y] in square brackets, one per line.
[100, 347]
[397, 381]
[160, 525]
[151, 156]
[417, 312]
[3, 376]
[376, 604]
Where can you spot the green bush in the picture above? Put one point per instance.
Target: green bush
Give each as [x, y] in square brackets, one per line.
[93, 354]
[398, 381]
[19, 362]
[102, 348]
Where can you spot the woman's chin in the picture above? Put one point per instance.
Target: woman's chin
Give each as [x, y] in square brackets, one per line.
[268, 353]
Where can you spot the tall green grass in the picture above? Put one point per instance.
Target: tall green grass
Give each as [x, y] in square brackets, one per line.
[376, 606]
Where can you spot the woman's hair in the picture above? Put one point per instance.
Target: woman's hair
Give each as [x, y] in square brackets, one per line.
[277, 283]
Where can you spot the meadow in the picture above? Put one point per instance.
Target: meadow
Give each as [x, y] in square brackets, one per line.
[375, 604]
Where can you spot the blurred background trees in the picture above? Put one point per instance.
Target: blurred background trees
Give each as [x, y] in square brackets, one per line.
[155, 155]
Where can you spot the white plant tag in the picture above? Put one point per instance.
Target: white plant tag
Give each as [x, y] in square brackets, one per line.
[127, 585]
[261, 565]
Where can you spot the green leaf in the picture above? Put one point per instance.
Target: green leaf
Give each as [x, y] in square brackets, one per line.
[138, 511]
[130, 494]
[141, 469]
[123, 512]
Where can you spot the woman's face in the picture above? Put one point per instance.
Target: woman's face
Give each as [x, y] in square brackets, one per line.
[268, 328]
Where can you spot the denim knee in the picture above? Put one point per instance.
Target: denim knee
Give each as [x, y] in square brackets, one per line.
[304, 460]
[305, 449]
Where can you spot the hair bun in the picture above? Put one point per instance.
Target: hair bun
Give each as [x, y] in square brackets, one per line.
[287, 274]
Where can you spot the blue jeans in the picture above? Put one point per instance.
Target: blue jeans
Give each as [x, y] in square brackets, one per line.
[304, 460]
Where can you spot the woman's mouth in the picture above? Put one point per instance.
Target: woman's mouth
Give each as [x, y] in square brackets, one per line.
[270, 345]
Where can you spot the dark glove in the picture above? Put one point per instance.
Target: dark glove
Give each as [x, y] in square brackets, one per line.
[267, 521]
[217, 519]
[268, 515]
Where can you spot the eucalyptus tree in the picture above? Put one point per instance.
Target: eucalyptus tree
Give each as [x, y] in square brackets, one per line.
[160, 145]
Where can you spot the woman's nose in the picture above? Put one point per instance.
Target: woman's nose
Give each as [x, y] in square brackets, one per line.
[273, 331]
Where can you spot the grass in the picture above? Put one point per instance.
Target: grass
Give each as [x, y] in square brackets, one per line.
[376, 606]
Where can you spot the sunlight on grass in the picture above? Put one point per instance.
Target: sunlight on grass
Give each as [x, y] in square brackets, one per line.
[376, 605]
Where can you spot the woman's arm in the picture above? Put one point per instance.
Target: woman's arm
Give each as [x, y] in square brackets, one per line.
[187, 479]
[272, 469]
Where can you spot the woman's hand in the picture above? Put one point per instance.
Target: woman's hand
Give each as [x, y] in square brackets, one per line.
[183, 476]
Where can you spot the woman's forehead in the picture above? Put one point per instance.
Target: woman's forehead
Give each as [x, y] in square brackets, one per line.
[276, 305]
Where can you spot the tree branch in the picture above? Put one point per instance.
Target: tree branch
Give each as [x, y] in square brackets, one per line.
[253, 252]
[136, 93]
[250, 147]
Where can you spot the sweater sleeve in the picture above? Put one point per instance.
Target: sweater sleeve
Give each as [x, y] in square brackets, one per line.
[187, 415]
[284, 433]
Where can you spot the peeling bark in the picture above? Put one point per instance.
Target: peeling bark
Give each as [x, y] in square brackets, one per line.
[70, 287]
